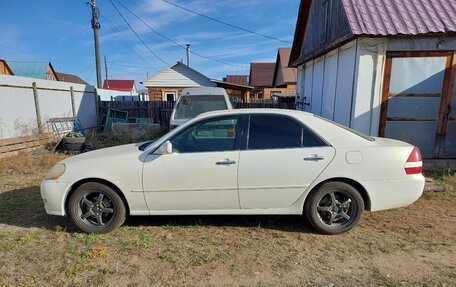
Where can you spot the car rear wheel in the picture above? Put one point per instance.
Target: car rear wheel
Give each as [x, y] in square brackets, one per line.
[97, 208]
[334, 208]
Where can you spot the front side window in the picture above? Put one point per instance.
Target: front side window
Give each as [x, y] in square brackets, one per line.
[191, 106]
[208, 136]
[279, 132]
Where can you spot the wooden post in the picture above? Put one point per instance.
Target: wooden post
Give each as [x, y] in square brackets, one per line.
[73, 106]
[385, 96]
[37, 107]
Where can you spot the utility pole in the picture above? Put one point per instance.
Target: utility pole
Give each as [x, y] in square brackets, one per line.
[188, 54]
[96, 26]
[106, 70]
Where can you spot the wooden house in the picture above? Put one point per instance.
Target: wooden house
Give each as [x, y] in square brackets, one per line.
[383, 67]
[167, 84]
[284, 78]
[262, 78]
[5, 69]
[33, 69]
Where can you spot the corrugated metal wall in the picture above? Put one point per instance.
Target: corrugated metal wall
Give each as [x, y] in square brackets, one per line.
[344, 85]
[17, 105]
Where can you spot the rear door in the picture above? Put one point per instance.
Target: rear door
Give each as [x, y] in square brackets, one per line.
[282, 158]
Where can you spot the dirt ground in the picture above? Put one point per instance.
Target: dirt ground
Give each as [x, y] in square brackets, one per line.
[413, 246]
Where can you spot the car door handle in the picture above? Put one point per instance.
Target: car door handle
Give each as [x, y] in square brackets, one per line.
[314, 157]
[226, 161]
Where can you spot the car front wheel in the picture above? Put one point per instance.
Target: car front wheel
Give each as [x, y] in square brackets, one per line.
[97, 208]
[334, 208]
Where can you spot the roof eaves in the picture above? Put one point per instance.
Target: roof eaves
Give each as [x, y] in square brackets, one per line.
[276, 68]
[178, 63]
[53, 71]
[232, 84]
[325, 49]
[7, 67]
[300, 30]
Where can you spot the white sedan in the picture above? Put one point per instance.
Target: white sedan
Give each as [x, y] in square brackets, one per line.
[260, 161]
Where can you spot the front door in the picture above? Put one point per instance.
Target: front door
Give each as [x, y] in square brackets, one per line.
[282, 158]
[201, 173]
[416, 101]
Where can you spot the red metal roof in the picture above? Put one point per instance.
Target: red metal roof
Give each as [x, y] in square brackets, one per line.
[377, 18]
[119, 85]
[406, 17]
[261, 74]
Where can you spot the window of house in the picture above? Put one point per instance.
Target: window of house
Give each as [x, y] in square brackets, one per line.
[279, 132]
[170, 96]
[208, 136]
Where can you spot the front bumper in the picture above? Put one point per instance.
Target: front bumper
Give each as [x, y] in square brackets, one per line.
[53, 195]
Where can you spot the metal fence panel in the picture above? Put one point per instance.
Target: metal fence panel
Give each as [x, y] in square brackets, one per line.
[18, 116]
[17, 112]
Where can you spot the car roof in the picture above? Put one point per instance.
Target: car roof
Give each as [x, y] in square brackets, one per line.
[255, 111]
[203, 91]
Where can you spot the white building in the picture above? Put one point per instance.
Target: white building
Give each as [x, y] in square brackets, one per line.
[381, 67]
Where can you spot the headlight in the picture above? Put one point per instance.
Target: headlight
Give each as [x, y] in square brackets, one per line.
[55, 172]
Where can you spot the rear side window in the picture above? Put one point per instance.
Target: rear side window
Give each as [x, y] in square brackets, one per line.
[278, 132]
[189, 107]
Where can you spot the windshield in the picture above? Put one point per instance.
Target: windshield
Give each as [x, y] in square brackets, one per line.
[190, 106]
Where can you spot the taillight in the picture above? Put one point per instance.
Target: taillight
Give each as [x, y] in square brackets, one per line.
[414, 164]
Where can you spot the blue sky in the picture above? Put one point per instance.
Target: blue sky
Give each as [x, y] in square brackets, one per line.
[60, 32]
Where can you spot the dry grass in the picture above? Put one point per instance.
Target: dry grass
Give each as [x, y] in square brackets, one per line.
[414, 246]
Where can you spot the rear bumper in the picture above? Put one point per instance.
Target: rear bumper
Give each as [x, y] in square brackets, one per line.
[393, 193]
[53, 195]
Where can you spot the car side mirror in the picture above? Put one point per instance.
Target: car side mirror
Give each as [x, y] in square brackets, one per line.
[165, 148]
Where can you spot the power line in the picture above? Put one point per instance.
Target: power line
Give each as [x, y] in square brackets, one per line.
[112, 25]
[227, 24]
[177, 44]
[133, 66]
[137, 35]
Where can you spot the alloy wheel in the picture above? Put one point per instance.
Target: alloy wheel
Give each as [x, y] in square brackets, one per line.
[96, 208]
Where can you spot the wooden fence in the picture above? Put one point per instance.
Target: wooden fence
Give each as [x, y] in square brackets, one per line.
[12, 146]
[160, 112]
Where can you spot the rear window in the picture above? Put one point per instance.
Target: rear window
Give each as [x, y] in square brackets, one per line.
[360, 134]
[190, 106]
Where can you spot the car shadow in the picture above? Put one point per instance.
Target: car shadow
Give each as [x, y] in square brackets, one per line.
[24, 208]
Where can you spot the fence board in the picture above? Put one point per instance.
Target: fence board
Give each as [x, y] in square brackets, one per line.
[160, 112]
[9, 147]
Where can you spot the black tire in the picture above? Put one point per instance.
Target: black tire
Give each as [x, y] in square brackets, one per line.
[97, 208]
[72, 147]
[74, 140]
[334, 207]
